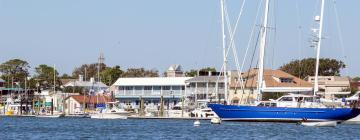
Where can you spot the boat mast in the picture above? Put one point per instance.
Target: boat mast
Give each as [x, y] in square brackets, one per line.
[316, 84]
[224, 50]
[262, 51]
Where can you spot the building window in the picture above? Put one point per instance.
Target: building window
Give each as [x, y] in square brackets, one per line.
[129, 88]
[138, 87]
[148, 88]
[166, 87]
[286, 80]
[157, 88]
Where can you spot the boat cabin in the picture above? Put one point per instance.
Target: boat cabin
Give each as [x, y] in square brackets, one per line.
[291, 100]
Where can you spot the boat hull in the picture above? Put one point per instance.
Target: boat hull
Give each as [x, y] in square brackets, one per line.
[280, 114]
[107, 116]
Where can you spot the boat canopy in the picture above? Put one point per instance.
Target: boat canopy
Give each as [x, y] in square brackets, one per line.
[287, 89]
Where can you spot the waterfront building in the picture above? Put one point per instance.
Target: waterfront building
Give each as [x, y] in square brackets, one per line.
[206, 88]
[130, 91]
[78, 104]
[330, 85]
[274, 80]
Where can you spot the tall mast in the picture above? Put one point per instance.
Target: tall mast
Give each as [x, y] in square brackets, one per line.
[262, 50]
[316, 84]
[224, 49]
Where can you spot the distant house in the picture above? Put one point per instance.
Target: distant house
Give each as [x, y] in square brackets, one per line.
[75, 103]
[175, 71]
[206, 88]
[275, 81]
[331, 85]
[91, 85]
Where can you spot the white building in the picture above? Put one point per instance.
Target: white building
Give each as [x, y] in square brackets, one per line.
[129, 91]
[91, 85]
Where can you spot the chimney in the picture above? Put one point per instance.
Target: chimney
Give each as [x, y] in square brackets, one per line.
[81, 78]
[92, 80]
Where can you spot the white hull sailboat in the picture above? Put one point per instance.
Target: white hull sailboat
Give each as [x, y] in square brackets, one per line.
[108, 116]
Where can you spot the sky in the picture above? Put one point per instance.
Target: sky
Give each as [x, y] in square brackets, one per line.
[158, 33]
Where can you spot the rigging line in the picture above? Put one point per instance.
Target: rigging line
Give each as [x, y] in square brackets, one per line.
[275, 39]
[229, 29]
[232, 43]
[299, 35]
[340, 33]
[251, 37]
[252, 59]
[230, 33]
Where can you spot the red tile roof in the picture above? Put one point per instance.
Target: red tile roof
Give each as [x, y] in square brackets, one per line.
[251, 79]
[99, 99]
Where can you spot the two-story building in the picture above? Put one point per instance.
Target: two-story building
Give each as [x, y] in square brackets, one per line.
[207, 87]
[331, 85]
[130, 91]
[275, 81]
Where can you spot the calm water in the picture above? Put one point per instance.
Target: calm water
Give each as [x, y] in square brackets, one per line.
[70, 128]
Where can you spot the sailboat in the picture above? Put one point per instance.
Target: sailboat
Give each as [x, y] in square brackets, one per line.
[52, 115]
[274, 111]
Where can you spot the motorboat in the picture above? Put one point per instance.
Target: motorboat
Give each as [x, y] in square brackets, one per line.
[203, 113]
[110, 113]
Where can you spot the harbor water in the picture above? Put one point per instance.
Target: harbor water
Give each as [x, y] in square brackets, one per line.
[81, 128]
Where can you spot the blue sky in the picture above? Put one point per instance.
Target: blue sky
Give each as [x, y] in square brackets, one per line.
[155, 34]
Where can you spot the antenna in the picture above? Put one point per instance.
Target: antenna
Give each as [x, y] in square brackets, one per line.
[100, 61]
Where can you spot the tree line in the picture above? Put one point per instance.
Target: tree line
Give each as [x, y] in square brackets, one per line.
[15, 71]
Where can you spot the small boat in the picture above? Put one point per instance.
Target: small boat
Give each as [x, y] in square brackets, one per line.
[215, 120]
[320, 124]
[197, 123]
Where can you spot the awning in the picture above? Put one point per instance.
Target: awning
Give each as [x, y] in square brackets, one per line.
[287, 89]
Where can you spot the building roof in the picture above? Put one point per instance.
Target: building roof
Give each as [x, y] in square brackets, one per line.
[175, 67]
[76, 83]
[198, 79]
[91, 99]
[151, 81]
[272, 79]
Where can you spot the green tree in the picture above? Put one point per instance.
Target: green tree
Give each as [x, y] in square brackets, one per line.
[90, 70]
[193, 72]
[208, 69]
[356, 79]
[110, 75]
[45, 77]
[306, 67]
[140, 72]
[66, 76]
[14, 70]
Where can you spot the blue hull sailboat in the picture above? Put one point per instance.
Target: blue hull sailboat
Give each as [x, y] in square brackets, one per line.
[256, 113]
[292, 110]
